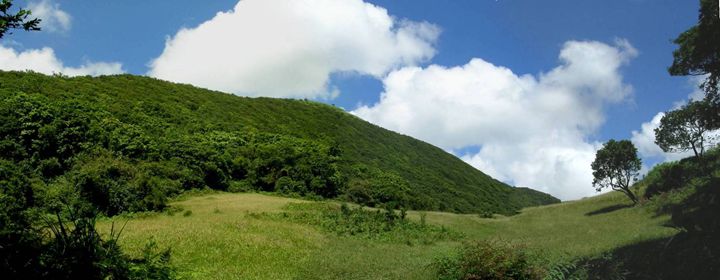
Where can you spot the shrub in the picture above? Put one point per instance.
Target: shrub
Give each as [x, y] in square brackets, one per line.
[664, 178]
[487, 260]
[154, 264]
[676, 175]
[240, 186]
[373, 187]
[384, 225]
[77, 251]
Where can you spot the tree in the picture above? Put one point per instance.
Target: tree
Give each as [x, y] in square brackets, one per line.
[616, 166]
[698, 50]
[686, 128]
[17, 20]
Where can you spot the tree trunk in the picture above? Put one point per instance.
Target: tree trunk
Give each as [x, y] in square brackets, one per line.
[631, 195]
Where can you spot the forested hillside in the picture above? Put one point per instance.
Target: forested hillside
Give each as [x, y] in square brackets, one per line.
[126, 143]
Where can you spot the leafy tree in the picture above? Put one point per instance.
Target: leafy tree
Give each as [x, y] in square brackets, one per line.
[686, 128]
[616, 166]
[15, 20]
[698, 50]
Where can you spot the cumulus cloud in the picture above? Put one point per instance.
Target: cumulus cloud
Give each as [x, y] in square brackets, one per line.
[44, 61]
[532, 130]
[288, 48]
[53, 19]
[644, 140]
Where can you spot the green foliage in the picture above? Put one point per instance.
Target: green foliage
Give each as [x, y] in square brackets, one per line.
[119, 167]
[384, 225]
[672, 176]
[77, 251]
[487, 260]
[115, 185]
[160, 139]
[698, 49]
[67, 246]
[616, 166]
[154, 264]
[21, 243]
[374, 187]
[16, 20]
[687, 128]
[565, 270]
[526, 196]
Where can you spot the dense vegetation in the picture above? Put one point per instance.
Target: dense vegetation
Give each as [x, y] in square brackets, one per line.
[488, 259]
[40, 240]
[126, 143]
[379, 225]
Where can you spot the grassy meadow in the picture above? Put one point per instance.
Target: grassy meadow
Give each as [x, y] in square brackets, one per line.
[218, 236]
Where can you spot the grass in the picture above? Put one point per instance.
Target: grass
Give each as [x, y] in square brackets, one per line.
[227, 245]
[222, 240]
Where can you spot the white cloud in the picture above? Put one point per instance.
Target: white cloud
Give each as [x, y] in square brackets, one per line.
[532, 130]
[53, 19]
[288, 48]
[44, 61]
[644, 140]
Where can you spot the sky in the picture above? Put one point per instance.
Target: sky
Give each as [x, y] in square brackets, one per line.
[524, 90]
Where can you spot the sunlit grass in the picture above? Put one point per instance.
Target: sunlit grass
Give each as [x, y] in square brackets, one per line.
[218, 240]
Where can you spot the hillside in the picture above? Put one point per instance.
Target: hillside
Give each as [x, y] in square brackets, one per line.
[149, 113]
[672, 234]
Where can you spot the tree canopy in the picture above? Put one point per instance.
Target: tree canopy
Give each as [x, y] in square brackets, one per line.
[16, 20]
[698, 50]
[616, 166]
[687, 128]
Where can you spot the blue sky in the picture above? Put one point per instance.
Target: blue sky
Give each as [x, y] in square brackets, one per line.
[525, 37]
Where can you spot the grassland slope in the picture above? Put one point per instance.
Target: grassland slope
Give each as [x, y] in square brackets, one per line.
[671, 234]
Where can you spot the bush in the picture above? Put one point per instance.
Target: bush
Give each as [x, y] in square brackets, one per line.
[487, 260]
[664, 178]
[240, 186]
[384, 225]
[77, 251]
[373, 187]
[676, 175]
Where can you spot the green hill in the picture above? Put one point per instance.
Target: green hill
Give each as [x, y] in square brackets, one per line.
[146, 134]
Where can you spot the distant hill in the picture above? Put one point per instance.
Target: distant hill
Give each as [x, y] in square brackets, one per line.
[430, 177]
